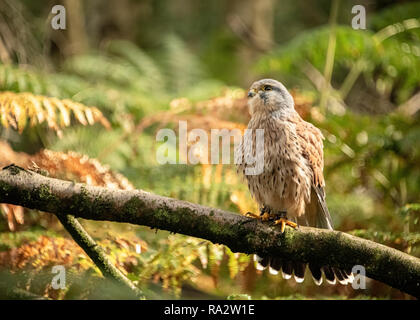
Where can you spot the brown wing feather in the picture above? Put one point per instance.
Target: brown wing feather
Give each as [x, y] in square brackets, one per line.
[311, 141]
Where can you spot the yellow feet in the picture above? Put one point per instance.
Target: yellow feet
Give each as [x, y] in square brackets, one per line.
[283, 222]
[252, 215]
[264, 217]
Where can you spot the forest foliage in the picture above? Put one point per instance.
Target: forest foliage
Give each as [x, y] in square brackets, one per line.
[88, 110]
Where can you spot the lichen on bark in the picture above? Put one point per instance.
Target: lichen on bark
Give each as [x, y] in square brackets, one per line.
[239, 233]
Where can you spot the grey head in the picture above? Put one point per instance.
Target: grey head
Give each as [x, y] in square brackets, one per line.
[268, 96]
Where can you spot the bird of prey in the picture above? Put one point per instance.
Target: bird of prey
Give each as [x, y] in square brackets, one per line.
[290, 188]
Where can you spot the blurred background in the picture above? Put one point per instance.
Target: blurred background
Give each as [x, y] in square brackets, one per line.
[85, 103]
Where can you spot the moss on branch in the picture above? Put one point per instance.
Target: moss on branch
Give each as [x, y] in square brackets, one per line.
[239, 233]
[96, 253]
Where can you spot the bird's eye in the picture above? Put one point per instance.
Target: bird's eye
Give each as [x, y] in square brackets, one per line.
[267, 88]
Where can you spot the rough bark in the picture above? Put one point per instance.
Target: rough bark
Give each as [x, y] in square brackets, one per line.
[96, 253]
[239, 233]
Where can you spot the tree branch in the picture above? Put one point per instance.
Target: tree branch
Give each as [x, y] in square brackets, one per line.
[239, 233]
[96, 253]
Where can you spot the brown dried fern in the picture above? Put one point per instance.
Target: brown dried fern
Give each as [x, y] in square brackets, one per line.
[19, 109]
[67, 166]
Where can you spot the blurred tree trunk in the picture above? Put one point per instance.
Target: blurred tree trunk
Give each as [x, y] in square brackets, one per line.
[77, 37]
[18, 43]
[73, 40]
[252, 21]
[118, 19]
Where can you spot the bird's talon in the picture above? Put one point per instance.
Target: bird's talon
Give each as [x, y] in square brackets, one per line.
[252, 215]
[265, 217]
[283, 222]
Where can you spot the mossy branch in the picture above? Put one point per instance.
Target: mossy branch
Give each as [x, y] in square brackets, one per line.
[239, 233]
[96, 253]
[11, 293]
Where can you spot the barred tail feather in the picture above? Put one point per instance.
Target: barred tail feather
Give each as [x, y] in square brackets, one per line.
[317, 216]
[316, 272]
[262, 263]
[297, 270]
[287, 270]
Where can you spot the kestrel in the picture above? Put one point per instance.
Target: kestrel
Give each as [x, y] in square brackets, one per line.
[290, 188]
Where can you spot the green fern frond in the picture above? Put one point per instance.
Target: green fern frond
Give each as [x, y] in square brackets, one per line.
[182, 68]
[102, 68]
[312, 46]
[19, 79]
[390, 61]
[144, 64]
[394, 14]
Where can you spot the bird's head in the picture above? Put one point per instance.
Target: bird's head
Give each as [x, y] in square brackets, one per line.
[267, 96]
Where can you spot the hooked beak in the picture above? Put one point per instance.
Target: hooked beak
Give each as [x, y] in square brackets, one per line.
[251, 93]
